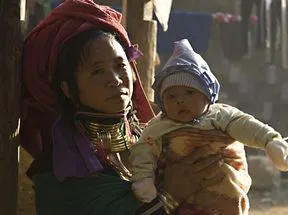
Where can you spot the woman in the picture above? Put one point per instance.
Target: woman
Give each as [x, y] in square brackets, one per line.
[82, 109]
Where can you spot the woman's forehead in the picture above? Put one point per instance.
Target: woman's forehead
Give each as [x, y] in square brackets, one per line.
[105, 47]
[102, 51]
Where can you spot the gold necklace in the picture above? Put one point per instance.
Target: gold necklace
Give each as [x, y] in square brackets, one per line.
[108, 142]
[108, 137]
[114, 137]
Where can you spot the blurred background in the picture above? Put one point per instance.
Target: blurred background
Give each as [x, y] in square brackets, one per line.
[245, 44]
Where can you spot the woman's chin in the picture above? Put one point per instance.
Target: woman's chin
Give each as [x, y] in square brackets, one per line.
[116, 108]
[111, 106]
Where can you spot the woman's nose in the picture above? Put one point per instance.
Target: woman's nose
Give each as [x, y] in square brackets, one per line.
[115, 80]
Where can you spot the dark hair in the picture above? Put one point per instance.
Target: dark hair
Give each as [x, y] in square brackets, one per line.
[72, 54]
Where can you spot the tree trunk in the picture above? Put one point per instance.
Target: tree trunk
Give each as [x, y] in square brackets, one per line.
[10, 49]
[142, 30]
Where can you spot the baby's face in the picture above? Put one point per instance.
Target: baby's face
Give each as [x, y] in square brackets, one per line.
[183, 104]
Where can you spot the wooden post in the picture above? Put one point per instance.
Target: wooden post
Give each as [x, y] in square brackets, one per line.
[142, 30]
[268, 30]
[284, 41]
[10, 49]
[124, 13]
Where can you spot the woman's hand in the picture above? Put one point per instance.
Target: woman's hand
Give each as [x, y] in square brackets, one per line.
[193, 174]
[234, 155]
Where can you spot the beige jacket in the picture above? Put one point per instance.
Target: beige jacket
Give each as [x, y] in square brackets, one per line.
[240, 126]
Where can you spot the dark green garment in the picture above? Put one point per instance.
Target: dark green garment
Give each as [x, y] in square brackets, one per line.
[104, 195]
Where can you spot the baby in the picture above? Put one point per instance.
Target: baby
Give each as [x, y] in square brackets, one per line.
[186, 92]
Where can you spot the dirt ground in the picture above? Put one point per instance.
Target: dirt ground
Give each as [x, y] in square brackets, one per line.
[277, 210]
[262, 202]
[268, 203]
[26, 194]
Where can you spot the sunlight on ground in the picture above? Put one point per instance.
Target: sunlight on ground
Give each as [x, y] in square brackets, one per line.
[26, 194]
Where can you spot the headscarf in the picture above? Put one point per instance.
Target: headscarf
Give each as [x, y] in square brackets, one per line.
[40, 51]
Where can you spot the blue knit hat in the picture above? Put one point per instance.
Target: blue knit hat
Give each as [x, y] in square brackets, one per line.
[186, 68]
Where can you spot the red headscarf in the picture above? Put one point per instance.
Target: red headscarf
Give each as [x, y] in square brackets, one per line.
[40, 51]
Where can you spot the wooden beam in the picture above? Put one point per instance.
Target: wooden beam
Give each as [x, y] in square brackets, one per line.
[284, 41]
[10, 49]
[124, 13]
[142, 30]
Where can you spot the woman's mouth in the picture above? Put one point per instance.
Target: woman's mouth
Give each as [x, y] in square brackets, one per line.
[119, 95]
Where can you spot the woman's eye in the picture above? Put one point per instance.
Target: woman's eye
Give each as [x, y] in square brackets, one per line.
[97, 72]
[121, 65]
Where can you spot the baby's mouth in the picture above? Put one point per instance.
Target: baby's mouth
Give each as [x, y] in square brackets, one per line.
[183, 111]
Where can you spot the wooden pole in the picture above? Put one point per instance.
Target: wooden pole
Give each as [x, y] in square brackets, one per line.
[10, 49]
[124, 13]
[268, 30]
[284, 41]
[142, 30]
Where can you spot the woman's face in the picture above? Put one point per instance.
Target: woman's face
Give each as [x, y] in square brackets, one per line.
[104, 78]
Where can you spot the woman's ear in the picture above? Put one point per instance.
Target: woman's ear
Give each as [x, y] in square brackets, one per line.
[67, 93]
[134, 76]
[65, 89]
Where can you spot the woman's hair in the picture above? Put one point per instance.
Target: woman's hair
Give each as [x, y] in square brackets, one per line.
[71, 55]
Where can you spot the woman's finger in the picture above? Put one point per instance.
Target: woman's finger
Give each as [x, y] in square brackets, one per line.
[211, 175]
[207, 171]
[232, 153]
[213, 181]
[212, 170]
[204, 164]
[197, 154]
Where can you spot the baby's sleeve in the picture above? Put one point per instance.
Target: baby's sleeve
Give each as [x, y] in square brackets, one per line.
[145, 153]
[243, 127]
[143, 158]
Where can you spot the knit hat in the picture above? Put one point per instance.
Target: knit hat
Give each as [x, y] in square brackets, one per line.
[183, 79]
[186, 68]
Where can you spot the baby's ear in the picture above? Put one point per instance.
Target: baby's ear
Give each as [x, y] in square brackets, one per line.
[155, 107]
[65, 89]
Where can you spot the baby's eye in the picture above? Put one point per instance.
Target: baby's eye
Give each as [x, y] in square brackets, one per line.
[170, 96]
[190, 92]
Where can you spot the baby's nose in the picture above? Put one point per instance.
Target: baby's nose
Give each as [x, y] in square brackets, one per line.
[180, 99]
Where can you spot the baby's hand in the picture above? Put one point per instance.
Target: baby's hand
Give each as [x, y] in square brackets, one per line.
[277, 151]
[144, 189]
